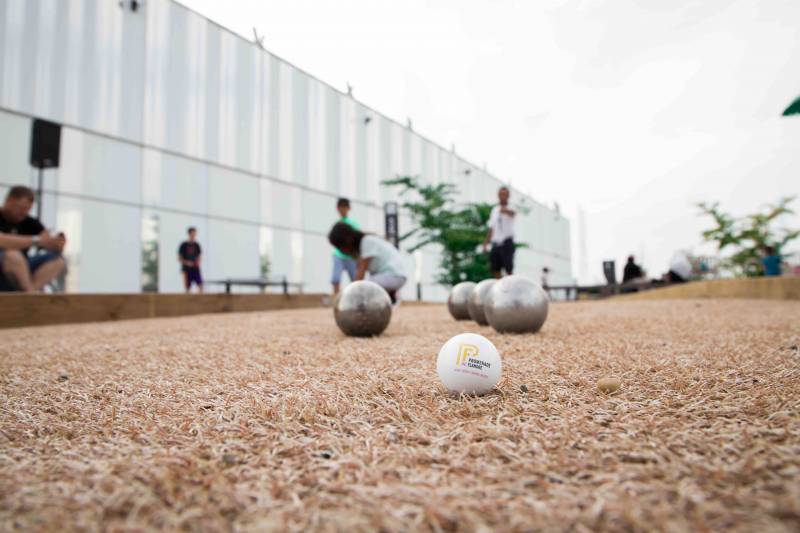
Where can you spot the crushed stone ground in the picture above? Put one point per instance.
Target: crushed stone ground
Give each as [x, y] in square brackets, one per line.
[276, 420]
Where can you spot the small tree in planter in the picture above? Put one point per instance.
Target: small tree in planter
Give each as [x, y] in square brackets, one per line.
[793, 109]
[748, 236]
[459, 231]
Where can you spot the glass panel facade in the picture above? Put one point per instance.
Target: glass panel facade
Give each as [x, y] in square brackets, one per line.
[319, 212]
[282, 254]
[150, 252]
[233, 195]
[265, 252]
[15, 134]
[231, 250]
[175, 183]
[99, 167]
[171, 121]
[103, 251]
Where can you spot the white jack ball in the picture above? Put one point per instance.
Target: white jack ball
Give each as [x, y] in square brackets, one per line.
[469, 364]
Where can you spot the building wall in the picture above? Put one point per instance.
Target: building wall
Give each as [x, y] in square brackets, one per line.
[170, 121]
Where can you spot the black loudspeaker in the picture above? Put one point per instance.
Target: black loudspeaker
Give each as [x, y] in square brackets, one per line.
[45, 144]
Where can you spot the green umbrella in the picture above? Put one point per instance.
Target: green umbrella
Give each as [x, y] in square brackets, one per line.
[793, 109]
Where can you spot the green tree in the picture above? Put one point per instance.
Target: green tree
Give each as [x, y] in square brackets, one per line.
[150, 253]
[265, 265]
[149, 266]
[747, 236]
[459, 230]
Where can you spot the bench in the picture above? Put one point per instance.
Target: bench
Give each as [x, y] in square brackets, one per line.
[609, 289]
[261, 283]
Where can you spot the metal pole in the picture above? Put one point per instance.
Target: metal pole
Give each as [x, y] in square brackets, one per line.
[390, 210]
[40, 194]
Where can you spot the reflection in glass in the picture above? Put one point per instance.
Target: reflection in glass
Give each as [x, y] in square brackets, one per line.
[265, 251]
[69, 218]
[150, 231]
[296, 274]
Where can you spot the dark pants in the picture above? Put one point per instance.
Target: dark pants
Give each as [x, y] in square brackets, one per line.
[192, 275]
[675, 278]
[502, 256]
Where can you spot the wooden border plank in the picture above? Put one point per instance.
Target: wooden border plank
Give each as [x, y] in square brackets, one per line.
[23, 310]
[777, 288]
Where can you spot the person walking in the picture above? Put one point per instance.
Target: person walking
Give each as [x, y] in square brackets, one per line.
[189, 256]
[341, 261]
[501, 235]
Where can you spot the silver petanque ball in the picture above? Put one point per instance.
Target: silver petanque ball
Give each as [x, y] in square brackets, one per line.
[362, 309]
[477, 299]
[516, 304]
[458, 301]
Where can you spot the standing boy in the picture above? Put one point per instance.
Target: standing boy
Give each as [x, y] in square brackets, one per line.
[342, 261]
[189, 255]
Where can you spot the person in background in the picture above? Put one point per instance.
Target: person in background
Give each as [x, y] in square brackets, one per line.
[18, 233]
[189, 256]
[772, 262]
[373, 254]
[680, 269]
[501, 235]
[632, 271]
[545, 279]
[341, 261]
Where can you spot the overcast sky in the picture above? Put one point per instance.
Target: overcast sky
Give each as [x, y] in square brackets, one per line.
[629, 110]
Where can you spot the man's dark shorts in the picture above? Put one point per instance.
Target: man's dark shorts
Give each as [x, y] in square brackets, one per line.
[35, 262]
[674, 277]
[502, 256]
[193, 276]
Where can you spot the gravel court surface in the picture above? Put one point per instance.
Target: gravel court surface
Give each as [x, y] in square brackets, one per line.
[277, 421]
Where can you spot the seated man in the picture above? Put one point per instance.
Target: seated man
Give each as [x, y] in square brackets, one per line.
[632, 272]
[18, 232]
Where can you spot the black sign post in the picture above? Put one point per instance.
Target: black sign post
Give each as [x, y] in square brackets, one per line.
[45, 150]
[610, 272]
[392, 231]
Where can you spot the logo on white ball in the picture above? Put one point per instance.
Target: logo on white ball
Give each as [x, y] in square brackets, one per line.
[467, 356]
[465, 351]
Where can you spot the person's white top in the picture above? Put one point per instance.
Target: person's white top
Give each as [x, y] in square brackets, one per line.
[680, 265]
[502, 226]
[385, 258]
